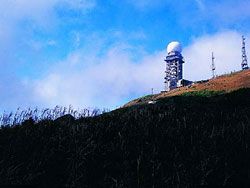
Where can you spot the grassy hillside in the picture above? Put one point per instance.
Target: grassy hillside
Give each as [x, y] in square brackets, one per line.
[221, 84]
[182, 141]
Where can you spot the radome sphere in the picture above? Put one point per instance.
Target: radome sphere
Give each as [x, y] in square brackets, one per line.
[174, 47]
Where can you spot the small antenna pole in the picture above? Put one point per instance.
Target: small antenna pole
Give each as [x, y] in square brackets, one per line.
[213, 65]
[244, 64]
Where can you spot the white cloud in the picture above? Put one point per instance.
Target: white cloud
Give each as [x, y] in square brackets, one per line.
[14, 93]
[16, 10]
[42, 12]
[227, 50]
[20, 20]
[114, 78]
[20, 23]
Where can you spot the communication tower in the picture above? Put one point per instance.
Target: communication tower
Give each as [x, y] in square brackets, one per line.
[213, 65]
[174, 67]
[244, 55]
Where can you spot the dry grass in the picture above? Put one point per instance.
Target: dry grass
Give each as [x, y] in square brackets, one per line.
[225, 83]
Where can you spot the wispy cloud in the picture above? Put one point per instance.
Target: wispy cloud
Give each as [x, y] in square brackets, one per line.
[114, 77]
[21, 22]
[200, 4]
[221, 14]
[147, 4]
[234, 10]
[82, 5]
[41, 12]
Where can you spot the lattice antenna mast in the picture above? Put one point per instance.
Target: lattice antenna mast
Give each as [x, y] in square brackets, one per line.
[213, 65]
[244, 64]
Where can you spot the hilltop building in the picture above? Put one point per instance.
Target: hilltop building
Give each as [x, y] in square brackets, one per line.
[174, 67]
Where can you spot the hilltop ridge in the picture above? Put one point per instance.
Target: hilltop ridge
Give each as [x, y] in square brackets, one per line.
[221, 84]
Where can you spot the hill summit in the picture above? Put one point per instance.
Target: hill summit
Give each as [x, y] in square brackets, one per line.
[221, 84]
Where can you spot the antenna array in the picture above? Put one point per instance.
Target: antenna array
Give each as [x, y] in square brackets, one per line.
[244, 55]
[213, 65]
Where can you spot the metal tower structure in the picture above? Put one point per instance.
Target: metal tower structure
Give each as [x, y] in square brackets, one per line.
[244, 55]
[213, 65]
[174, 67]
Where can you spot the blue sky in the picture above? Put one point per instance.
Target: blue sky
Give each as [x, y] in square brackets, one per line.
[93, 53]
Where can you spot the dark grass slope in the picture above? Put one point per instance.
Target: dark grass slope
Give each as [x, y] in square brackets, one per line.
[182, 141]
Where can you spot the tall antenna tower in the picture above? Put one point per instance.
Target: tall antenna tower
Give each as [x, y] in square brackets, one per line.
[244, 55]
[213, 65]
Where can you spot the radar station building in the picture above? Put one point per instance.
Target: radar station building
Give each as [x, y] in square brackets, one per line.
[174, 66]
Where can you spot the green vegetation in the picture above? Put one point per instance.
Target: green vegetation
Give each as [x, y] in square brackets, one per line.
[145, 98]
[181, 141]
[203, 93]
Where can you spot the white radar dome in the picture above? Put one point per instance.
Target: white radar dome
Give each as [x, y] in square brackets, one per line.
[174, 47]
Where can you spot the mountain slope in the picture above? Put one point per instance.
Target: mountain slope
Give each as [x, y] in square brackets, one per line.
[224, 83]
[181, 141]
